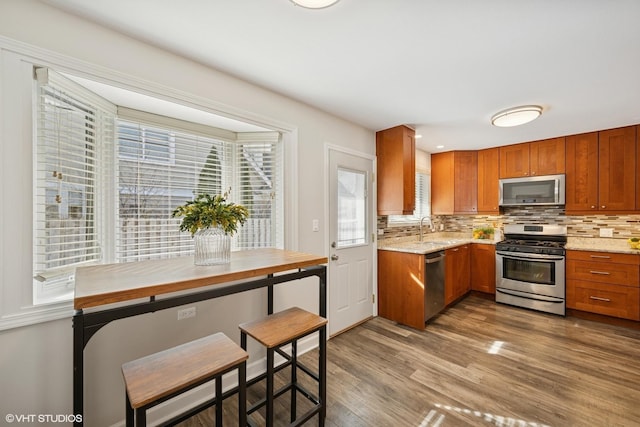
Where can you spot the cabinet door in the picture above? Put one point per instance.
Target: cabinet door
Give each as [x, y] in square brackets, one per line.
[465, 166]
[617, 169]
[514, 160]
[488, 175]
[395, 150]
[401, 287]
[547, 157]
[483, 268]
[457, 266]
[582, 172]
[442, 183]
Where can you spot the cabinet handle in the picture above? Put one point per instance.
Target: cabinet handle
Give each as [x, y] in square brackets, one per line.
[593, 207]
[600, 299]
[603, 207]
[601, 256]
[606, 273]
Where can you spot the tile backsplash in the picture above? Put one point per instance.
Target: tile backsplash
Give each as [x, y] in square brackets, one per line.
[623, 226]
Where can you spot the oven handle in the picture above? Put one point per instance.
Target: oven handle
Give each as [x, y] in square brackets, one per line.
[523, 256]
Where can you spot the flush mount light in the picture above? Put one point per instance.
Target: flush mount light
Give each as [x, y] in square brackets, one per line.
[314, 4]
[516, 116]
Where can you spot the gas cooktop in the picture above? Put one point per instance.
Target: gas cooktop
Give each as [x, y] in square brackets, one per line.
[539, 239]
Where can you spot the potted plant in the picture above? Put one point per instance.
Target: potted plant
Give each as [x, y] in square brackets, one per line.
[211, 220]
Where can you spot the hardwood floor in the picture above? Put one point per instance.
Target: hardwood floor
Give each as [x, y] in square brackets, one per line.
[478, 364]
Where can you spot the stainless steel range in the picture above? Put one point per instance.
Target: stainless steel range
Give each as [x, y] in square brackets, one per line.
[530, 266]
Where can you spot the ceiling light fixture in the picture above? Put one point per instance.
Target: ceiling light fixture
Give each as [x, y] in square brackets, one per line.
[314, 4]
[516, 116]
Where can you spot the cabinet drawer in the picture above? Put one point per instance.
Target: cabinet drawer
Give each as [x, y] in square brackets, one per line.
[604, 272]
[610, 300]
[603, 257]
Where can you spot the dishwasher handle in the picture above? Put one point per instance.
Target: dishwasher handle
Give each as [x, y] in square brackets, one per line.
[434, 260]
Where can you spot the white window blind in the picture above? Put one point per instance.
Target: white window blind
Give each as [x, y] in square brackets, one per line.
[423, 195]
[74, 134]
[258, 180]
[158, 170]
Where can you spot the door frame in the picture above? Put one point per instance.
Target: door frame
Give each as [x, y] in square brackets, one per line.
[328, 147]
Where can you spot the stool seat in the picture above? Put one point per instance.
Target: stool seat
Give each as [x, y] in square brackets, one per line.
[283, 327]
[275, 332]
[155, 378]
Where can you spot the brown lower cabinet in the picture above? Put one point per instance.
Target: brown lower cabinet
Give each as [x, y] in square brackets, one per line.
[483, 268]
[604, 283]
[401, 286]
[457, 268]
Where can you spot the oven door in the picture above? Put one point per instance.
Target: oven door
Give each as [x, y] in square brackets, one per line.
[531, 273]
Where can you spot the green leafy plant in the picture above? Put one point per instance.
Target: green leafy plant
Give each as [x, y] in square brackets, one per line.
[206, 211]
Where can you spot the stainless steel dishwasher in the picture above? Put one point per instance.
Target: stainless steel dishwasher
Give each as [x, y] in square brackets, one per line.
[434, 286]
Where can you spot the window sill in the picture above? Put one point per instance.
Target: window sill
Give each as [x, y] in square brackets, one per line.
[37, 314]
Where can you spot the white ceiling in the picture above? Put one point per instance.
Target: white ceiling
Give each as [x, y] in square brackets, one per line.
[442, 66]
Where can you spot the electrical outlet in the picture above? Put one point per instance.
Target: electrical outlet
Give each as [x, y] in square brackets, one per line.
[315, 225]
[185, 313]
[380, 231]
[606, 232]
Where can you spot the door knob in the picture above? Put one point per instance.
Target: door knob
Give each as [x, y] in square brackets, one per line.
[334, 257]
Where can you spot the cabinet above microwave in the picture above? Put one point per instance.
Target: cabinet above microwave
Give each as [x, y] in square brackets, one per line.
[532, 190]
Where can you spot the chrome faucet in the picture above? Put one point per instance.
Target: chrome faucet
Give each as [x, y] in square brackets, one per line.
[430, 225]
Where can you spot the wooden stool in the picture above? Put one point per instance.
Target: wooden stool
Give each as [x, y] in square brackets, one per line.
[161, 376]
[276, 331]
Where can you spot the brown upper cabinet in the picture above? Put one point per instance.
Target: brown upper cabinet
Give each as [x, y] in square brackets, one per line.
[601, 171]
[488, 197]
[454, 182]
[546, 157]
[395, 150]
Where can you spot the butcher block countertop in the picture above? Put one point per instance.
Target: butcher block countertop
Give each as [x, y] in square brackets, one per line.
[600, 245]
[432, 242]
[110, 283]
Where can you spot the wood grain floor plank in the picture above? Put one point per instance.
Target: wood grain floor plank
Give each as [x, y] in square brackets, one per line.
[477, 364]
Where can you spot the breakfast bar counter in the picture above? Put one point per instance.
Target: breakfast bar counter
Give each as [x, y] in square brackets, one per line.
[104, 293]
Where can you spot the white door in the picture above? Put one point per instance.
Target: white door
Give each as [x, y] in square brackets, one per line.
[351, 240]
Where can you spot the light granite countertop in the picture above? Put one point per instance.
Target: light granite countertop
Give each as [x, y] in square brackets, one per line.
[600, 244]
[432, 242]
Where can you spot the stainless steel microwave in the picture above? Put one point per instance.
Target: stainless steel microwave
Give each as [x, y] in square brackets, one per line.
[533, 190]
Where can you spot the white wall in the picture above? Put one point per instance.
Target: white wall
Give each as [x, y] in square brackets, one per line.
[35, 361]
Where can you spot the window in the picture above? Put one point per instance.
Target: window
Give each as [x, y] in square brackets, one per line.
[352, 208]
[145, 144]
[108, 180]
[423, 202]
[71, 132]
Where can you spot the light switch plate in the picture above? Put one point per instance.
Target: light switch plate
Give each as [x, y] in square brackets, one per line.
[606, 232]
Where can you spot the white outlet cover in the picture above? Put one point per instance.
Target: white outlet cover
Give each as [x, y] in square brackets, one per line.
[606, 232]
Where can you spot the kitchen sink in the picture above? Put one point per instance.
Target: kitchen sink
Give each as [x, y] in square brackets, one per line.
[440, 242]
